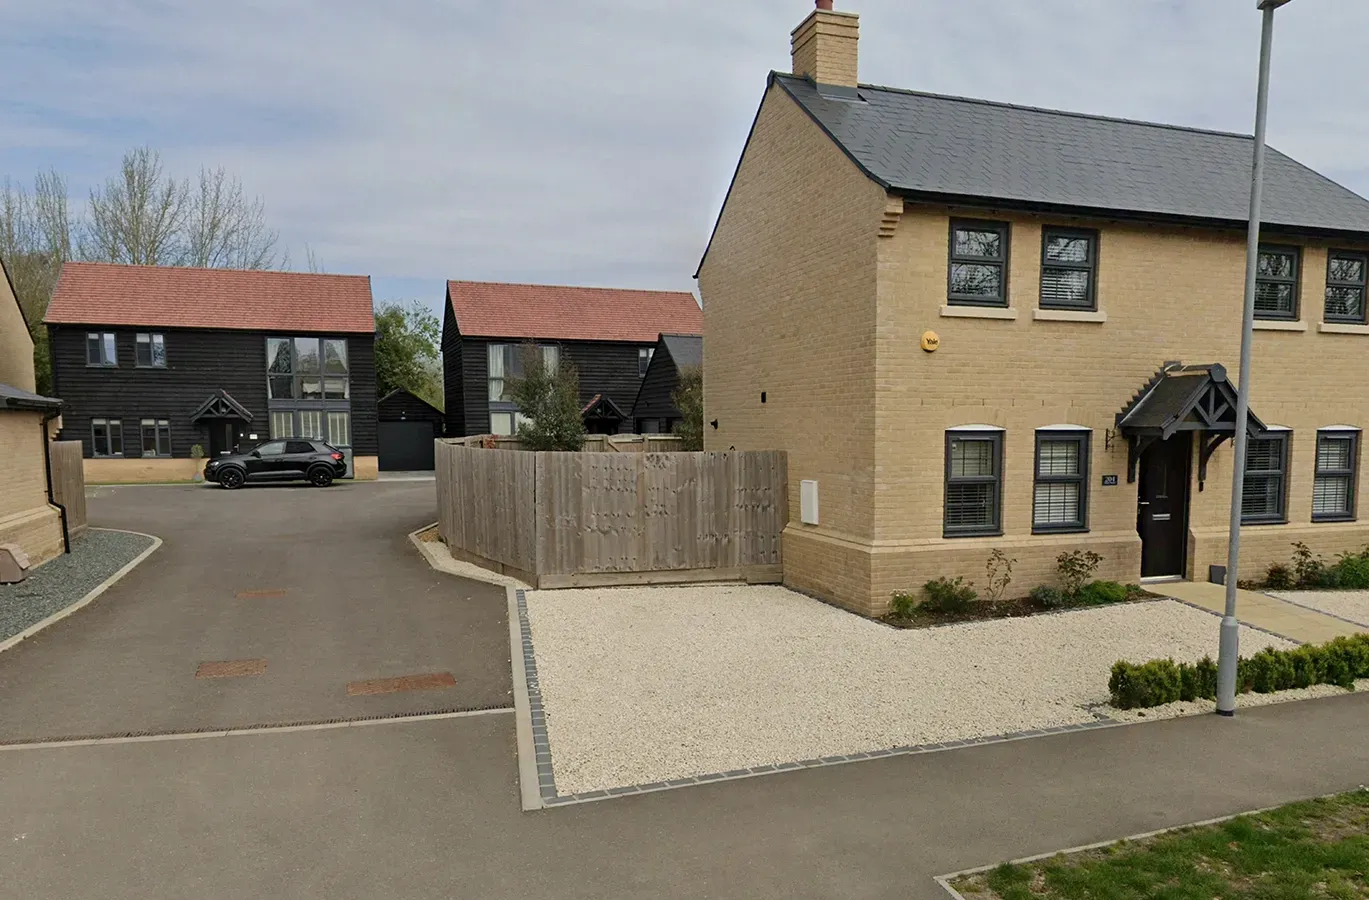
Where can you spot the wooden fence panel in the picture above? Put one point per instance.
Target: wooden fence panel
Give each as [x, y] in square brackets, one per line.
[69, 483]
[585, 517]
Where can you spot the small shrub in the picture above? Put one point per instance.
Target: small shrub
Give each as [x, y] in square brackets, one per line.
[945, 595]
[1309, 571]
[1352, 571]
[903, 604]
[1101, 593]
[1149, 684]
[197, 451]
[1076, 569]
[1046, 597]
[998, 571]
[1201, 678]
[1278, 577]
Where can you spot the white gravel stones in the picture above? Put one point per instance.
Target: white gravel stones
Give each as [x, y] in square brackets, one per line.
[1352, 605]
[648, 684]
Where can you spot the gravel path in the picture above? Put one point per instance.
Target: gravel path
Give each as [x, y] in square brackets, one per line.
[1352, 605]
[648, 684]
[55, 585]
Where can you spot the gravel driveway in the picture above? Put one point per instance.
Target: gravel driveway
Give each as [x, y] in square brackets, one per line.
[1350, 605]
[52, 587]
[648, 684]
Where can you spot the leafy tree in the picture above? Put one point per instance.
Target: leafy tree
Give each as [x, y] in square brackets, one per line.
[689, 400]
[406, 351]
[549, 399]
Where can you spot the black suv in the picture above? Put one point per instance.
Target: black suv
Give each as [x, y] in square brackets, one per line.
[286, 460]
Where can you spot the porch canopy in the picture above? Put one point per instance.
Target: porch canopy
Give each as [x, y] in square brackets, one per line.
[221, 405]
[1183, 398]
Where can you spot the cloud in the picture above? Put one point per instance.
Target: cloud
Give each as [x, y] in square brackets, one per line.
[592, 142]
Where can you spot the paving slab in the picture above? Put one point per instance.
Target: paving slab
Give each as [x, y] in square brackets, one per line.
[1259, 610]
[321, 584]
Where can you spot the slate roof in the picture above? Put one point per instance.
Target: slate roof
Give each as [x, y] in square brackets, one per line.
[496, 310]
[176, 297]
[685, 349]
[14, 398]
[930, 144]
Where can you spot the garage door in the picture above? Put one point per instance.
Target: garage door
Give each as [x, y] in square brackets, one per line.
[406, 446]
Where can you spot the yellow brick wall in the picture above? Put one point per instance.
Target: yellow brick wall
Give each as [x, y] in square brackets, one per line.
[16, 346]
[1168, 294]
[788, 289]
[25, 516]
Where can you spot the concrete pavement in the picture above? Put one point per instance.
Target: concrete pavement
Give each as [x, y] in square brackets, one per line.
[1289, 620]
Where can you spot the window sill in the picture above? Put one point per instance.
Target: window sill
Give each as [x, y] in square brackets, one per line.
[1325, 519]
[1070, 315]
[978, 312]
[970, 534]
[1277, 325]
[1342, 328]
[1256, 523]
[1064, 529]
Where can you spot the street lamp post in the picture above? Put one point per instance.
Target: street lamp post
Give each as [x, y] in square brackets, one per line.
[1229, 648]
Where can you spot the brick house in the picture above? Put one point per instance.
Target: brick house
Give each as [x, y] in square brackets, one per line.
[27, 422]
[975, 325]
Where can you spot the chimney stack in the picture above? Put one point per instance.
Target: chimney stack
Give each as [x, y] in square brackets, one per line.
[823, 47]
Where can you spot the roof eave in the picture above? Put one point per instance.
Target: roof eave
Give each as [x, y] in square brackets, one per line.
[1126, 215]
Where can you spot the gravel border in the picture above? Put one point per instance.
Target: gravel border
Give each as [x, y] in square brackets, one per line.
[66, 580]
[1350, 607]
[1090, 716]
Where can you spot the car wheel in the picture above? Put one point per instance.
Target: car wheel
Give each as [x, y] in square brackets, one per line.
[320, 477]
[231, 479]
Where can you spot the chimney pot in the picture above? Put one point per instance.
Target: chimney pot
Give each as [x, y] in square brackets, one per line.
[824, 4]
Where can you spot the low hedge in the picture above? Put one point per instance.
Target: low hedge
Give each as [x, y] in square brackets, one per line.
[1160, 681]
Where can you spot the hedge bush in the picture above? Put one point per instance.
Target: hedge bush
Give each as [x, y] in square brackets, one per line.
[1160, 681]
[949, 595]
[1101, 593]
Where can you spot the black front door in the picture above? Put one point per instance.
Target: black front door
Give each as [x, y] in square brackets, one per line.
[221, 437]
[1162, 506]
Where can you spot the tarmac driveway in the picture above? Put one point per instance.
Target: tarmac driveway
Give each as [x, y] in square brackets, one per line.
[321, 584]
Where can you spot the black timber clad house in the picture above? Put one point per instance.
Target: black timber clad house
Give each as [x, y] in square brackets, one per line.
[608, 335]
[408, 426]
[157, 360]
[655, 410]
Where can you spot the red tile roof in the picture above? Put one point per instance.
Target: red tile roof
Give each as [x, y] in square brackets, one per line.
[490, 309]
[174, 297]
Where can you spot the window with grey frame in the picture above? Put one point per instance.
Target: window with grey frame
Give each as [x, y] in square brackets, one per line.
[1264, 495]
[1334, 485]
[977, 274]
[974, 476]
[101, 349]
[307, 368]
[1060, 495]
[106, 437]
[1345, 284]
[1069, 269]
[504, 362]
[156, 437]
[1276, 283]
[149, 350]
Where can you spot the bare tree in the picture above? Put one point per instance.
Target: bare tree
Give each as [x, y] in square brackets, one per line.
[35, 240]
[225, 229]
[312, 263]
[139, 215]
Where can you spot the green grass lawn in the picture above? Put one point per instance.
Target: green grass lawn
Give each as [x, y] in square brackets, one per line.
[1315, 849]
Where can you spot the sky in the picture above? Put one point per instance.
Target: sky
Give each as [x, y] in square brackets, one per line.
[592, 142]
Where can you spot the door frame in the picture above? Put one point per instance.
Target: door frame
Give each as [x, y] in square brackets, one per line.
[1186, 439]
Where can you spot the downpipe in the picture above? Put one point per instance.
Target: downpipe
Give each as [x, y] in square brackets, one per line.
[52, 498]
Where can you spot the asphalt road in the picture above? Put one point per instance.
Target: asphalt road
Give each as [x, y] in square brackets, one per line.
[428, 808]
[323, 584]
